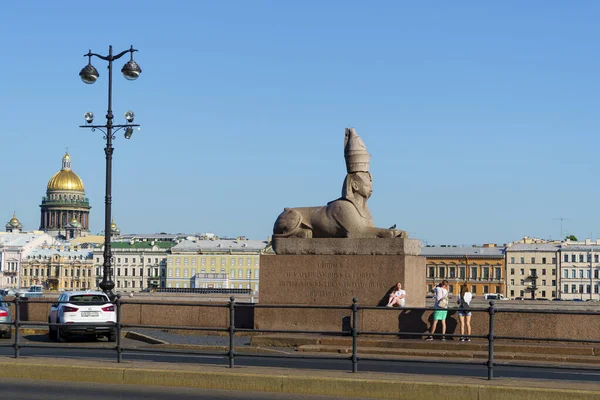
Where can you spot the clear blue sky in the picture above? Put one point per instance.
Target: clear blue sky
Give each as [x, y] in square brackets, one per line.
[482, 118]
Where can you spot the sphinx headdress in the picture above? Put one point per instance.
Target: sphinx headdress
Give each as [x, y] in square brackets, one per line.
[355, 152]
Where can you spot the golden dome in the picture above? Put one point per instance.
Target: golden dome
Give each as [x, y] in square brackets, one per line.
[65, 179]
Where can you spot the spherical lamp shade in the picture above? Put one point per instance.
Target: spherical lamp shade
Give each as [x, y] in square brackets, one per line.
[89, 74]
[131, 70]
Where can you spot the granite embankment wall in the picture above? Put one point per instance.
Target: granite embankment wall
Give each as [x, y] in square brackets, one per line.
[216, 315]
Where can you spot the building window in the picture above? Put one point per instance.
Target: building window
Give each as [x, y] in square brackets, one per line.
[581, 258]
[512, 271]
[256, 261]
[232, 261]
[442, 272]
[566, 258]
[474, 289]
[512, 260]
[256, 274]
[573, 258]
[203, 261]
[185, 261]
[177, 273]
[533, 260]
[248, 262]
[596, 258]
[512, 293]
[170, 274]
[461, 272]
[240, 273]
[573, 288]
[486, 273]
[222, 261]
[543, 260]
[232, 273]
[566, 289]
[580, 274]
[486, 289]
[573, 273]
[185, 273]
[498, 273]
[240, 261]
[473, 272]
[543, 272]
[553, 282]
[522, 260]
[177, 261]
[512, 282]
[543, 282]
[543, 293]
[553, 272]
[213, 261]
[497, 289]
[432, 272]
[194, 261]
[452, 271]
[522, 271]
[522, 282]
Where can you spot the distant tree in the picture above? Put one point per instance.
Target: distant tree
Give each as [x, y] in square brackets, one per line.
[572, 238]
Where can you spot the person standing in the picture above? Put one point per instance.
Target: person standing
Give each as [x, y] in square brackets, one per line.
[397, 296]
[464, 315]
[441, 308]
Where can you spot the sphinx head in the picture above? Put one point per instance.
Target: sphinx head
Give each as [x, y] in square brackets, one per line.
[357, 184]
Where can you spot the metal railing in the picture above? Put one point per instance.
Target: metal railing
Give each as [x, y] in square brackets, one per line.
[351, 330]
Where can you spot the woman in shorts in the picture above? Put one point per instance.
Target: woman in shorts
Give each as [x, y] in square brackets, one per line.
[464, 315]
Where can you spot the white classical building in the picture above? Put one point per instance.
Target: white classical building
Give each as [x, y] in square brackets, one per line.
[580, 270]
[14, 248]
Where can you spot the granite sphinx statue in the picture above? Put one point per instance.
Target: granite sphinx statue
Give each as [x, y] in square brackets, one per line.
[346, 217]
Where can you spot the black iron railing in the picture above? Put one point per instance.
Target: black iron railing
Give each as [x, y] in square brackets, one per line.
[351, 330]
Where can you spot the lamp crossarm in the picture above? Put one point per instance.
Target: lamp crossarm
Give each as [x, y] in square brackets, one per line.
[109, 58]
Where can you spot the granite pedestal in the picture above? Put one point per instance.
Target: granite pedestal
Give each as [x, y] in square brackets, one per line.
[368, 273]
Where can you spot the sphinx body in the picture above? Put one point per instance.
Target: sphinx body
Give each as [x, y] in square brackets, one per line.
[348, 216]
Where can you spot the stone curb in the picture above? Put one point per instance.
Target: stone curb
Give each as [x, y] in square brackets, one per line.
[362, 386]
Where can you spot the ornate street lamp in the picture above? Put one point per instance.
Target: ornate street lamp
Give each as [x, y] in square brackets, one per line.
[89, 74]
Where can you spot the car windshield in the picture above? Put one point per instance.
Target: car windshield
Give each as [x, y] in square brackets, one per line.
[83, 299]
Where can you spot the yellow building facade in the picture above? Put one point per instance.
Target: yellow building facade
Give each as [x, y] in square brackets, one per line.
[221, 263]
[58, 268]
[482, 269]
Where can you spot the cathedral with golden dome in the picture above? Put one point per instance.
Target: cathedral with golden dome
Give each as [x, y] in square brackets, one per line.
[65, 210]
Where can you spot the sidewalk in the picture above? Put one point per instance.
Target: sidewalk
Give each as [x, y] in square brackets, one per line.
[331, 383]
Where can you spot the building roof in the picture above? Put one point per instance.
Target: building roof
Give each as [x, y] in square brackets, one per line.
[581, 247]
[220, 245]
[18, 239]
[462, 251]
[67, 251]
[141, 245]
[533, 247]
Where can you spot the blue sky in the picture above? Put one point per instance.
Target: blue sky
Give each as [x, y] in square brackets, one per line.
[481, 117]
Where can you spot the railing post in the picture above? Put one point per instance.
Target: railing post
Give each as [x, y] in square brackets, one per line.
[118, 348]
[490, 363]
[354, 334]
[17, 323]
[231, 353]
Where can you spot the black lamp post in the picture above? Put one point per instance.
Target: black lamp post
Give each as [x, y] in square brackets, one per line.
[89, 74]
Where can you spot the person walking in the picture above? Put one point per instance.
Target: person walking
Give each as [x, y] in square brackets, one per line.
[441, 308]
[397, 296]
[464, 315]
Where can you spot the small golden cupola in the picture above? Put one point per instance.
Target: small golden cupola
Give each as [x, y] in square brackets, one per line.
[14, 226]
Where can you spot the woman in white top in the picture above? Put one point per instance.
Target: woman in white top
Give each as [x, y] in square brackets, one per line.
[397, 296]
[464, 315]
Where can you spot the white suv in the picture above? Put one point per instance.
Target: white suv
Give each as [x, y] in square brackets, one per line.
[85, 313]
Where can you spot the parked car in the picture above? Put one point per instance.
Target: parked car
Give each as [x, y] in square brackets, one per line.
[558, 299]
[494, 296]
[5, 320]
[86, 313]
[577, 300]
[541, 298]
[519, 298]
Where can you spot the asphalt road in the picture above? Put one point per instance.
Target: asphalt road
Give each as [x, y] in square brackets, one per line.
[25, 389]
[103, 351]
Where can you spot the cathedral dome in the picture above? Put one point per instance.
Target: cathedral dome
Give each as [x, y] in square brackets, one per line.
[65, 179]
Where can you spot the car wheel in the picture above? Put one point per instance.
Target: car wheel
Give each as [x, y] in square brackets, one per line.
[8, 334]
[112, 336]
[51, 330]
[58, 335]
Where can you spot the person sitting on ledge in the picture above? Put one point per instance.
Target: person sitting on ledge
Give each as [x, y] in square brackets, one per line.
[397, 296]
